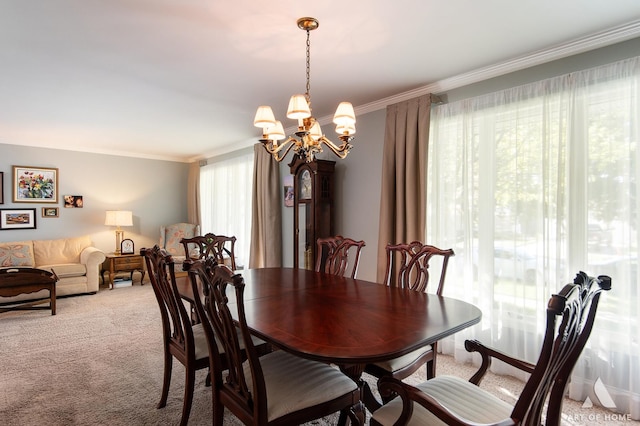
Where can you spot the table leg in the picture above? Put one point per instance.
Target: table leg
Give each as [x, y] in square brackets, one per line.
[368, 400]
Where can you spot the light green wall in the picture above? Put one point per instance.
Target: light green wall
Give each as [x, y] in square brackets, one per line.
[155, 191]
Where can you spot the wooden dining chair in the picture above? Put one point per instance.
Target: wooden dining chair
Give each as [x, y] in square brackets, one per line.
[277, 388]
[220, 247]
[182, 340]
[333, 255]
[453, 401]
[408, 266]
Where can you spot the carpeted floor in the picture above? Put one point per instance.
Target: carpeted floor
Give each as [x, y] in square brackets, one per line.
[99, 362]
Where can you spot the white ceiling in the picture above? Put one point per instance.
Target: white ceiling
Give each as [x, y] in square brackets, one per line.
[181, 79]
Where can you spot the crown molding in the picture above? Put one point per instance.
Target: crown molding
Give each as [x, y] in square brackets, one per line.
[580, 45]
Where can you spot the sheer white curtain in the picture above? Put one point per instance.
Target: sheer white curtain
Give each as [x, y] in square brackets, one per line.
[530, 185]
[225, 196]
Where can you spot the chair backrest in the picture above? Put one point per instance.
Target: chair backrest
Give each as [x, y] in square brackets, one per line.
[220, 247]
[408, 265]
[576, 305]
[176, 321]
[170, 236]
[243, 392]
[332, 255]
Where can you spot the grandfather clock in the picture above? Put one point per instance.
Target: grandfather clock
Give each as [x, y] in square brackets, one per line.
[312, 208]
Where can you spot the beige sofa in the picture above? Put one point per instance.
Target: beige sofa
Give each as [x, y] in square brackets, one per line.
[74, 260]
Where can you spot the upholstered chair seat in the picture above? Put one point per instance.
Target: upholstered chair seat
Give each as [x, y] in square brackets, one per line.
[314, 383]
[460, 396]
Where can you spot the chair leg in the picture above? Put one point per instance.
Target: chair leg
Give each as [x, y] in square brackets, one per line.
[218, 410]
[189, 384]
[166, 380]
[431, 368]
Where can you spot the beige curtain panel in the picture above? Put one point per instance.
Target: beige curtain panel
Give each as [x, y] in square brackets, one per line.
[266, 217]
[403, 198]
[193, 194]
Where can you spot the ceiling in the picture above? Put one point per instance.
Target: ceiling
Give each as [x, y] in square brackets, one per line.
[181, 79]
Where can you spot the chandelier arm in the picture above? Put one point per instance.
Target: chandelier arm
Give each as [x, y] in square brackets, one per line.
[341, 151]
[274, 150]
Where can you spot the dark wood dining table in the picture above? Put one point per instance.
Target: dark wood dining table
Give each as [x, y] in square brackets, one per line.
[343, 321]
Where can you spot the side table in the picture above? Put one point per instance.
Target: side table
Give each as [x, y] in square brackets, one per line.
[115, 263]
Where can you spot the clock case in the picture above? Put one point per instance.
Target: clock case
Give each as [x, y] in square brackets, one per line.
[313, 216]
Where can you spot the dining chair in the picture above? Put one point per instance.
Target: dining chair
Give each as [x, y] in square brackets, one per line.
[408, 266]
[278, 388]
[182, 340]
[332, 255]
[220, 247]
[453, 401]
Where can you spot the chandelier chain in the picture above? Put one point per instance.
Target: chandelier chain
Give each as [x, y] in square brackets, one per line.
[308, 94]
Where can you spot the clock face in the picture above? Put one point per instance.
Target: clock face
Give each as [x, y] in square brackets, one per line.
[126, 247]
[305, 185]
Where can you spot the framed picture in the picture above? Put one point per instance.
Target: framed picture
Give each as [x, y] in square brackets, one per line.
[50, 212]
[1, 187]
[288, 191]
[17, 219]
[35, 185]
[73, 202]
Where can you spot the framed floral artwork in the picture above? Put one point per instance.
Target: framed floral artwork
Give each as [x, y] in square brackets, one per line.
[17, 219]
[35, 185]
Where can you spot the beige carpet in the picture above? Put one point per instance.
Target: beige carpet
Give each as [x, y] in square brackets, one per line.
[99, 362]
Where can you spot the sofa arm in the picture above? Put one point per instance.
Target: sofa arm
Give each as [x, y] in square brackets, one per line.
[92, 258]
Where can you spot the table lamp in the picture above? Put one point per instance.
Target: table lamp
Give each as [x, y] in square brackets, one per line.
[118, 218]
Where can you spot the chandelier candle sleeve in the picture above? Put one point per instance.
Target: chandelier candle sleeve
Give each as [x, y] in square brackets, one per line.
[308, 140]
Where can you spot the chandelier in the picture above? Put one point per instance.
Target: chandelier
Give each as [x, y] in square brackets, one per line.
[308, 140]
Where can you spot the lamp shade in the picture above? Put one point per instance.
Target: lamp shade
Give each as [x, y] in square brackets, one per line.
[264, 117]
[118, 218]
[276, 132]
[348, 130]
[345, 114]
[315, 131]
[298, 108]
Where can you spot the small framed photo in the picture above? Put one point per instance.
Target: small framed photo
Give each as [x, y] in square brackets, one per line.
[73, 202]
[288, 191]
[35, 184]
[50, 212]
[17, 219]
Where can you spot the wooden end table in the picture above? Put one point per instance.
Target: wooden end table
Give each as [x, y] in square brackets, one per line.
[15, 281]
[115, 263]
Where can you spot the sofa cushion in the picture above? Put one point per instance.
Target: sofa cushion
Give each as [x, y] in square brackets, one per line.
[67, 250]
[66, 270]
[18, 253]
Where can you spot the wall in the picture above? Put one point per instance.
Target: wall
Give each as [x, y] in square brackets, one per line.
[155, 191]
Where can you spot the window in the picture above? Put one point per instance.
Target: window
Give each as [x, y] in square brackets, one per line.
[225, 198]
[529, 186]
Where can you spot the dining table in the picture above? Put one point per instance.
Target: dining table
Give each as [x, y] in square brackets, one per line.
[343, 321]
